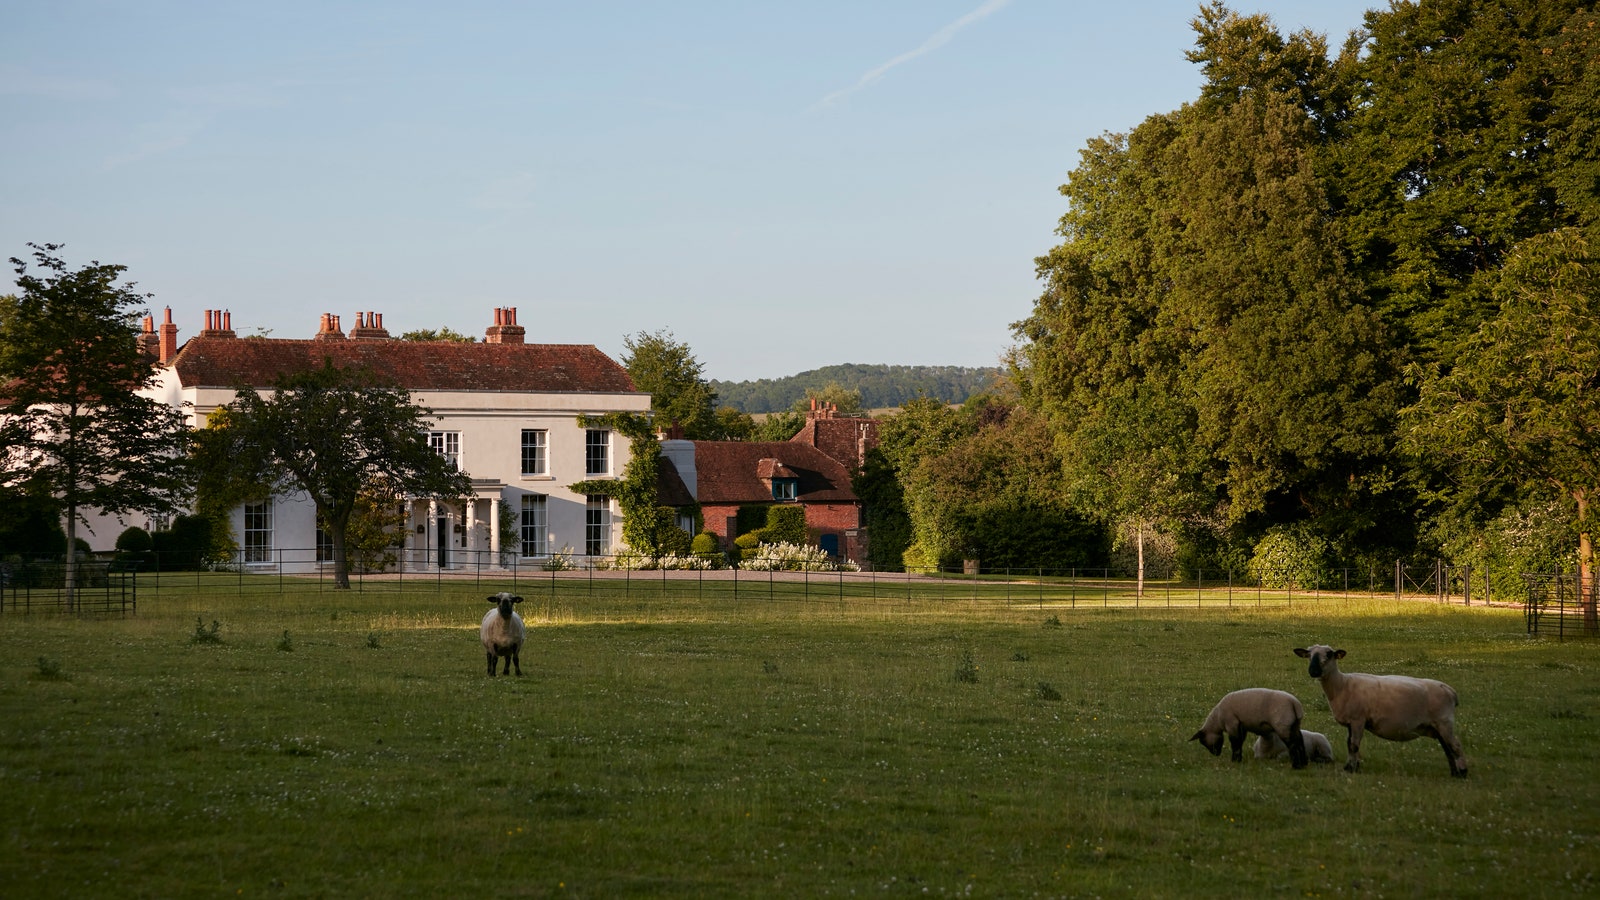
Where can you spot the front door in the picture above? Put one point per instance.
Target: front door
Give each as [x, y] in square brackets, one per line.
[444, 542]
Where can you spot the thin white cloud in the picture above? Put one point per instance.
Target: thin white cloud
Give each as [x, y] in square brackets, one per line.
[939, 39]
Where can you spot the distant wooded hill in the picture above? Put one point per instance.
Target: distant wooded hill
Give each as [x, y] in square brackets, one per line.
[880, 386]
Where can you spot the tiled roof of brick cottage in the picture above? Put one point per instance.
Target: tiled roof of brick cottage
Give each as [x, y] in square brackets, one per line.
[731, 472]
[225, 362]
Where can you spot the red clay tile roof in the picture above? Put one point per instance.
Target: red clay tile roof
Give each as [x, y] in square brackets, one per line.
[414, 365]
[730, 472]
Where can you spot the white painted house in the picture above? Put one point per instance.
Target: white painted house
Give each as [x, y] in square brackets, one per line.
[505, 410]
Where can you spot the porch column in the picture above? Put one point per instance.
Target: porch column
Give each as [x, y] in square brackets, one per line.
[430, 553]
[494, 528]
[469, 509]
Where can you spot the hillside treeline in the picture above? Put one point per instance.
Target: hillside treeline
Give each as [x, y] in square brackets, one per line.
[880, 386]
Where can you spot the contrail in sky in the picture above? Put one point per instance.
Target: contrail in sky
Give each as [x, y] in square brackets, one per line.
[939, 39]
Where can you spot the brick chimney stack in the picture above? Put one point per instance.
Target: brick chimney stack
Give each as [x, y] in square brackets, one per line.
[369, 327]
[168, 340]
[329, 329]
[149, 341]
[505, 329]
[219, 324]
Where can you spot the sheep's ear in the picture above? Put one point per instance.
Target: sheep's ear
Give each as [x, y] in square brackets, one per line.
[494, 598]
[1198, 735]
[1302, 652]
[1338, 654]
[516, 599]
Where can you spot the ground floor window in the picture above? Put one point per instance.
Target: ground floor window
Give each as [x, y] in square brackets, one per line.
[324, 546]
[597, 526]
[257, 532]
[535, 525]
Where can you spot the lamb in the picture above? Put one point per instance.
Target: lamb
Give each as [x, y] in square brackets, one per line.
[1259, 711]
[1318, 750]
[1393, 707]
[503, 633]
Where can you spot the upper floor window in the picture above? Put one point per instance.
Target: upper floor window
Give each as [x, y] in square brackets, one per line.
[448, 445]
[597, 452]
[535, 456]
[785, 488]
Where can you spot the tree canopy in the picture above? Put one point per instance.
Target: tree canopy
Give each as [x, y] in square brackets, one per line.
[338, 435]
[73, 427]
[679, 394]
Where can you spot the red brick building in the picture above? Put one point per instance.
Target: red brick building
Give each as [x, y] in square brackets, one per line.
[813, 470]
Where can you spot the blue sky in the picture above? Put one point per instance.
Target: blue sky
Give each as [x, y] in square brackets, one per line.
[783, 186]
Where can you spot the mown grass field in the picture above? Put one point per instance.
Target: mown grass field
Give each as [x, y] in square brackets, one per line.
[350, 744]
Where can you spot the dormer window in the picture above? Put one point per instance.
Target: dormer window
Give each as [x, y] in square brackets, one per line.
[785, 488]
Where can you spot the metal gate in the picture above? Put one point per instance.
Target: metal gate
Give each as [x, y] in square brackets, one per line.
[1558, 604]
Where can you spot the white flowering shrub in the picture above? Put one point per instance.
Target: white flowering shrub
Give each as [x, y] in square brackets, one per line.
[786, 557]
[560, 561]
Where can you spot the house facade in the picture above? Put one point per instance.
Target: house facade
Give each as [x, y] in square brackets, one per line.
[503, 410]
[812, 470]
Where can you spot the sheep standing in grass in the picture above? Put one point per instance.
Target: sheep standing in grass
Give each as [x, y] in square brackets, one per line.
[503, 632]
[1318, 749]
[1393, 707]
[1257, 711]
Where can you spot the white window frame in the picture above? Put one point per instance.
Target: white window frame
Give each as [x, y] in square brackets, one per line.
[597, 525]
[448, 445]
[534, 525]
[257, 532]
[535, 452]
[597, 452]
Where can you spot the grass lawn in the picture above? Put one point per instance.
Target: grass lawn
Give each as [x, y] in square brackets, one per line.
[340, 744]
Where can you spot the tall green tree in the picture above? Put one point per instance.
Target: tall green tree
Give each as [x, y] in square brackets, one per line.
[337, 434]
[73, 425]
[1521, 406]
[679, 394]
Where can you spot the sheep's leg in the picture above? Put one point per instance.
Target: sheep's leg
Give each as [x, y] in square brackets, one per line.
[1353, 745]
[1236, 741]
[1452, 750]
[507, 669]
[492, 661]
[516, 658]
[1297, 747]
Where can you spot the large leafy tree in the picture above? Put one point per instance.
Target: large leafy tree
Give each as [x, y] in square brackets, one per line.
[337, 434]
[1521, 406]
[73, 424]
[679, 394]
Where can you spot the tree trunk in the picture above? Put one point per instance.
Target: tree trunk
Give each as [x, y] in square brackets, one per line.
[70, 573]
[1587, 589]
[1139, 593]
[337, 525]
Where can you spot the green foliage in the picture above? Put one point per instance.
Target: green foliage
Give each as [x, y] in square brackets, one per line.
[705, 544]
[285, 642]
[133, 539]
[875, 386]
[679, 394]
[185, 546]
[1291, 556]
[832, 395]
[786, 524]
[887, 521]
[438, 334]
[750, 518]
[48, 668]
[72, 426]
[371, 434]
[374, 533]
[1521, 408]
[30, 526]
[646, 528]
[779, 426]
[374, 640]
[967, 670]
[204, 635]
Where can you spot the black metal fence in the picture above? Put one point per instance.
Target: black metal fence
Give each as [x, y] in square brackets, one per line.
[1563, 605]
[117, 584]
[99, 586]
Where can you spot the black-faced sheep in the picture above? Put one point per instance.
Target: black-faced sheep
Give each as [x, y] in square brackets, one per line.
[1393, 707]
[503, 632]
[1255, 711]
[1318, 749]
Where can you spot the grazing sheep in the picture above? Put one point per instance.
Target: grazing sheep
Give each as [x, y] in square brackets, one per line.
[503, 632]
[1318, 750]
[1393, 707]
[1258, 711]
